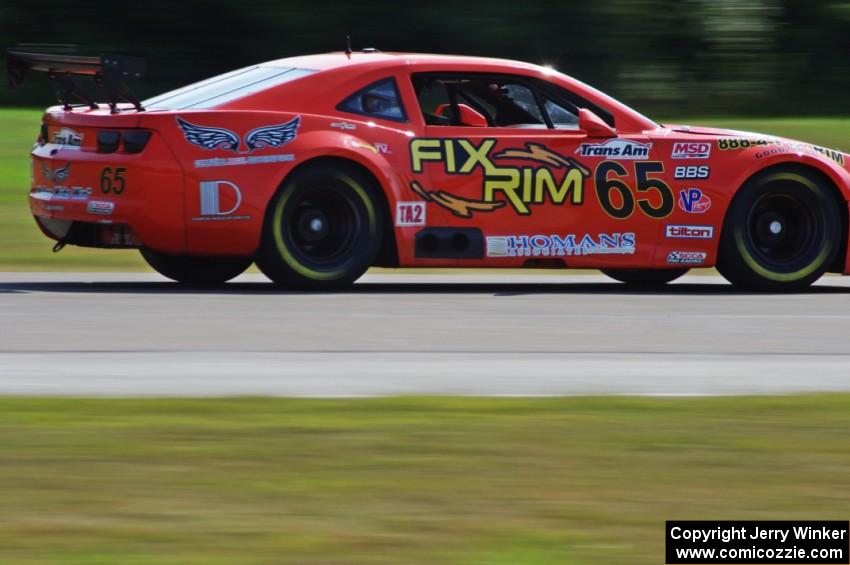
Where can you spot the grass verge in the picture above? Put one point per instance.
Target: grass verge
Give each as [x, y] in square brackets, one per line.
[404, 480]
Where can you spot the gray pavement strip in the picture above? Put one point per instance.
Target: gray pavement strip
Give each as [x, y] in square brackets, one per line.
[117, 334]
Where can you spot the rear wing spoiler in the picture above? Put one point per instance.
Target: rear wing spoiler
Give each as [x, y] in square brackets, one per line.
[110, 72]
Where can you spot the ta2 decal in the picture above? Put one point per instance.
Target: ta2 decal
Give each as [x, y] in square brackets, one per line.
[410, 214]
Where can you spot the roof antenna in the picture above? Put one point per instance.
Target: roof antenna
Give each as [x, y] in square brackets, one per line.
[348, 46]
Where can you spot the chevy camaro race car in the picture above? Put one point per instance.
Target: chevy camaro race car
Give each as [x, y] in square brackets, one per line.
[318, 167]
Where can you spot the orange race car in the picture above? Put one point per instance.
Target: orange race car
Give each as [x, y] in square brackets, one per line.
[318, 167]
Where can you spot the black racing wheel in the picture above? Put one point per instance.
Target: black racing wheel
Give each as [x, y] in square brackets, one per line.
[322, 229]
[781, 231]
[645, 277]
[190, 269]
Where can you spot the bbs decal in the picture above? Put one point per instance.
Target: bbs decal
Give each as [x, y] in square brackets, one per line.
[701, 172]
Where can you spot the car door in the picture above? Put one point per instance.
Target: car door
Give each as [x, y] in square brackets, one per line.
[503, 156]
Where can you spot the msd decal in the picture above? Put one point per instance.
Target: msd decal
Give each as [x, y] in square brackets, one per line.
[693, 201]
[691, 150]
[410, 214]
[689, 232]
[616, 148]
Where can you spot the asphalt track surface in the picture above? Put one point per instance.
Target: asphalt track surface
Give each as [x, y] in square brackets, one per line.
[137, 335]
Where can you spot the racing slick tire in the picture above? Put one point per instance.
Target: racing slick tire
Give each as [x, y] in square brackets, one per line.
[781, 232]
[644, 277]
[322, 229]
[196, 270]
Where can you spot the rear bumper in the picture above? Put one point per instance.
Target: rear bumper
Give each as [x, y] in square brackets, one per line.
[74, 200]
[75, 217]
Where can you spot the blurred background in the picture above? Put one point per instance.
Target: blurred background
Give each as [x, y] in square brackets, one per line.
[670, 57]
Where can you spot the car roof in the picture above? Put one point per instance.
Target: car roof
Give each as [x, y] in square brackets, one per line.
[340, 59]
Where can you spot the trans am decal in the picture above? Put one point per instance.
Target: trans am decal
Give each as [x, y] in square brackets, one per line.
[561, 245]
[521, 187]
[616, 148]
[212, 138]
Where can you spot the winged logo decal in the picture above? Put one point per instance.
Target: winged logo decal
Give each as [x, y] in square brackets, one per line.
[212, 138]
[58, 175]
[272, 136]
[209, 137]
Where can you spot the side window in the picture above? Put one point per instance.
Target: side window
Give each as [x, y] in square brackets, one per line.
[522, 97]
[561, 117]
[434, 101]
[460, 99]
[379, 100]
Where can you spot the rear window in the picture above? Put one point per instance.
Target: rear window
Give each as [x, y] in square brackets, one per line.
[378, 100]
[224, 88]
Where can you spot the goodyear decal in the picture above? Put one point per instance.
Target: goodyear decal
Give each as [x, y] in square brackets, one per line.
[776, 147]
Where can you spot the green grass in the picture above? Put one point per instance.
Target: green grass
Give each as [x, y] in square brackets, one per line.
[404, 480]
[22, 245]
[24, 248]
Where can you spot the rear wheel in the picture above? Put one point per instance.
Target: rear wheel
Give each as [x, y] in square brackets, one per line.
[781, 232]
[644, 277]
[189, 269]
[322, 229]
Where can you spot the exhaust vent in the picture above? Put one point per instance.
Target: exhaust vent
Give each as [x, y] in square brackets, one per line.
[450, 243]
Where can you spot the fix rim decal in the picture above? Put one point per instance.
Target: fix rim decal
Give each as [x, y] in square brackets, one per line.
[521, 187]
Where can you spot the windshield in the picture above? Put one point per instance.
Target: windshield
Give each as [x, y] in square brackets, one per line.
[602, 96]
[224, 88]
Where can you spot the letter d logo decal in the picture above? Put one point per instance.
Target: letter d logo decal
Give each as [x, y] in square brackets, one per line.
[219, 200]
[211, 197]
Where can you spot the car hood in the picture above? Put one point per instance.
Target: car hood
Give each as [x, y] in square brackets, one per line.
[718, 132]
[804, 146]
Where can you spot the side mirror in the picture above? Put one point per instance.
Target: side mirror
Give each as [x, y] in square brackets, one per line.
[593, 125]
[467, 116]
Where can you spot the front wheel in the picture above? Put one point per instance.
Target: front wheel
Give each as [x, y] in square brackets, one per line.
[190, 269]
[781, 232]
[322, 229]
[644, 277]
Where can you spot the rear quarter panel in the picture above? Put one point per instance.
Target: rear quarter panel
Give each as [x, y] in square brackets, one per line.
[227, 191]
